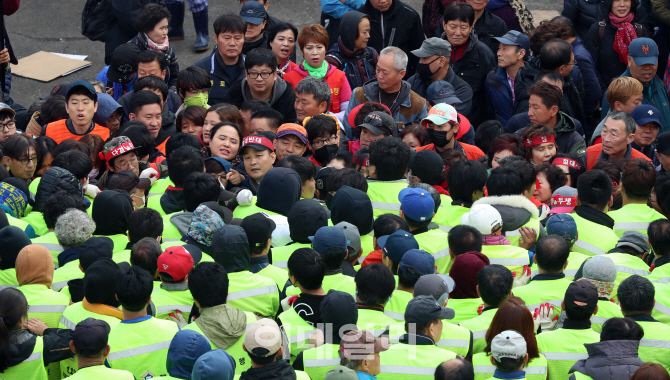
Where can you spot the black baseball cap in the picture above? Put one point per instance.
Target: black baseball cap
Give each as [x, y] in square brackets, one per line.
[305, 218]
[424, 309]
[82, 84]
[427, 165]
[663, 143]
[90, 336]
[379, 123]
[124, 63]
[59, 89]
[259, 228]
[321, 179]
[127, 180]
[95, 248]
[581, 294]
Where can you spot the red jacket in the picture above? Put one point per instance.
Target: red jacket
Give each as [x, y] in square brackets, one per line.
[340, 91]
[471, 152]
[593, 154]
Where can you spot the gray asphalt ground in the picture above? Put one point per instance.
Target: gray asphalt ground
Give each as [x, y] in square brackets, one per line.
[51, 25]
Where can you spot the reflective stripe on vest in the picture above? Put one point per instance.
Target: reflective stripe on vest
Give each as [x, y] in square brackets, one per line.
[654, 343]
[386, 206]
[46, 308]
[598, 320]
[129, 353]
[481, 334]
[34, 356]
[441, 253]
[509, 262]
[565, 355]
[453, 343]
[589, 247]
[631, 226]
[169, 308]
[567, 272]
[528, 370]
[639, 272]
[407, 370]
[67, 323]
[662, 308]
[321, 362]
[51, 246]
[59, 285]
[395, 315]
[251, 293]
[284, 264]
[445, 228]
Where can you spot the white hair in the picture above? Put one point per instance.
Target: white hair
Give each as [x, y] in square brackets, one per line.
[73, 228]
[399, 57]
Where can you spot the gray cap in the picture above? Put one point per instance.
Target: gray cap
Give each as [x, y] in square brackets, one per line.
[442, 91]
[635, 240]
[437, 286]
[599, 268]
[353, 237]
[341, 373]
[433, 46]
[423, 309]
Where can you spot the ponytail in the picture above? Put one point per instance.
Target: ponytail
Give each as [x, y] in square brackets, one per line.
[13, 306]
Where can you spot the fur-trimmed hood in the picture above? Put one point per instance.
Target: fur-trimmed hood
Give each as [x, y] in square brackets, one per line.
[516, 210]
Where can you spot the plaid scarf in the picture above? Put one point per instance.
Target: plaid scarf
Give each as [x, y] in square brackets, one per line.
[154, 46]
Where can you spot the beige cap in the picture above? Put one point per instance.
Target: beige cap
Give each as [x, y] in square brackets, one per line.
[263, 338]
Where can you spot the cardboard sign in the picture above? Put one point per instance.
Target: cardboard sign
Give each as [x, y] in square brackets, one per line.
[45, 66]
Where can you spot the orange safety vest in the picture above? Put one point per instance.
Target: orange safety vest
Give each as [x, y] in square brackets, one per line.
[58, 132]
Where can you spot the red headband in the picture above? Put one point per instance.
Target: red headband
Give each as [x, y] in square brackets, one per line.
[615, 183]
[558, 200]
[119, 150]
[537, 140]
[567, 162]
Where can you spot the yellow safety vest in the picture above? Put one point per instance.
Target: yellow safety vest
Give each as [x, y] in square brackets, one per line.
[156, 191]
[511, 257]
[319, 360]
[395, 308]
[435, 242]
[8, 277]
[661, 310]
[384, 196]
[337, 281]
[236, 350]
[376, 322]
[141, 347]
[466, 308]
[634, 217]
[23, 225]
[242, 212]
[167, 301]
[655, 344]
[67, 272]
[100, 372]
[514, 236]
[170, 231]
[563, 348]
[449, 216]
[594, 239]
[50, 242]
[279, 276]
[536, 369]
[120, 241]
[36, 219]
[454, 338]
[606, 310]
[297, 331]
[280, 255]
[542, 291]
[575, 261]
[479, 326]
[404, 361]
[253, 293]
[626, 266]
[72, 315]
[30, 369]
[368, 245]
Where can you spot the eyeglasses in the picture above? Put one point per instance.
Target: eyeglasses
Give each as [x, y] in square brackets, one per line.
[127, 164]
[319, 143]
[263, 74]
[10, 125]
[25, 161]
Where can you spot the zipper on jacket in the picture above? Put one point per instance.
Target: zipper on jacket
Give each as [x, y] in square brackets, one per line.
[381, 17]
[391, 38]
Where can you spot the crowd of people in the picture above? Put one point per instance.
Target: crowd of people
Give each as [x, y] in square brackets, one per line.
[456, 195]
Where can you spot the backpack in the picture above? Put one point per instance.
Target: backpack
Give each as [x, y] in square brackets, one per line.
[601, 30]
[95, 18]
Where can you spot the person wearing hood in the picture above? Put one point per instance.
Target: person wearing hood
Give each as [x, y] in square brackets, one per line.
[108, 114]
[185, 349]
[13, 199]
[259, 228]
[223, 325]
[111, 214]
[72, 229]
[172, 298]
[304, 219]
[68, 279]
[34, 273]
[470, 58]
[24, 337]
[351, 52]
[615, 357]
[183, 162]
[280, 190]
[247, 291]
[12, 240]
[262, 82]
[263, 344]
[464, 273]
[313, 42]
[99, 303]
[205, 221]
[215, 365]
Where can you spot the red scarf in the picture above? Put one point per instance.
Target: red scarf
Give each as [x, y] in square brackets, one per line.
[624, 35]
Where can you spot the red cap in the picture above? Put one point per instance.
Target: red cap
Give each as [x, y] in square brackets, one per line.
[176, 262]
[258, 143]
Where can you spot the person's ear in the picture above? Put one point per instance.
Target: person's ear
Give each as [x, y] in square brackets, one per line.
[452, 255]
[566, 264]
[197, 304]
[149, 301]
[630, 61]
[81, 269]
[617, 106]
[535, 259]
[402, 73]
[273, 155]
[372, 171]
[455, 128]
[72, 347]
[106, 351]
[611, 201]
[279, 352]
[132, 116]
[596, 310]
[401, 214]
[6, 161]
[554, 110]
[521, 53]
[631, 138]
[323, 107]
[645, 256]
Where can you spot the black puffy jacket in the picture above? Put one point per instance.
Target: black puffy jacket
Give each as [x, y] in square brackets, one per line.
[584, 13]
[54, 180]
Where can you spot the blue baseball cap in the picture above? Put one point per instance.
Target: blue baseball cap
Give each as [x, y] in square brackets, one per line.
[417, 204]
[515, 38]
[562, 225]
[82, 84]
[419, 260]
[394, 246]
[644, 51]
[442, 91]
[329, 241]
[645, 113]
[253, 12]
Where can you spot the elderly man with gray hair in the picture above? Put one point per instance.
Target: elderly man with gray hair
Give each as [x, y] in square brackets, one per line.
[617, 134]
[72, 229]
[391, 90]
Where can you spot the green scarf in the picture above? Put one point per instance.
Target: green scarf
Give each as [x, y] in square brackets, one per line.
[318, 72]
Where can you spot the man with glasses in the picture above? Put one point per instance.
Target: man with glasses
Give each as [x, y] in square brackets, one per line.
[119, 153]
[7, 122]
[262, 83]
